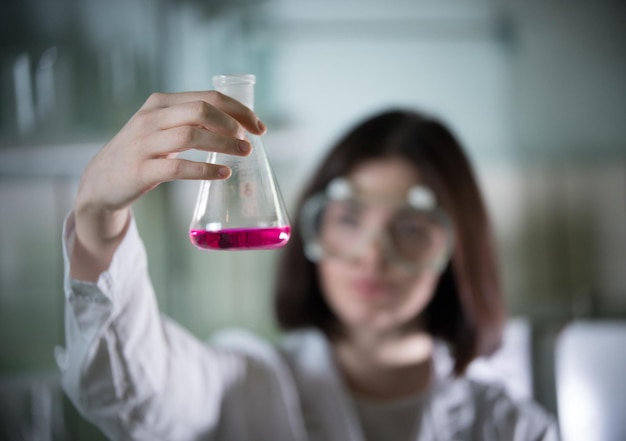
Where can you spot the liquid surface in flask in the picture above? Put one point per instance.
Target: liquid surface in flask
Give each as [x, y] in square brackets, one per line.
[241, 238]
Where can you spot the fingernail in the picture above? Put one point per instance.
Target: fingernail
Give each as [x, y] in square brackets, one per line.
[244, 147]
[224, 172]
[261, 126]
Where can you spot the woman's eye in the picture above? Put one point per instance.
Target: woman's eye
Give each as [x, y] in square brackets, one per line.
[410, 231]
[407, 230]
[348, 220]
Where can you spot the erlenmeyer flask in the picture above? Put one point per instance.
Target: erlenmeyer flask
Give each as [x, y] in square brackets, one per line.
[245, 211]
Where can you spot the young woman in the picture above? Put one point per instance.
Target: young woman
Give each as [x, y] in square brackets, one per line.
[387, 291]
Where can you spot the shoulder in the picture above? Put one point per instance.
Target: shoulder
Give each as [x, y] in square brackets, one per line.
[500, 412]
[243, 342]
[489, 412]
[487, 406]
[265, 392]
[294, 343]
[295, 348]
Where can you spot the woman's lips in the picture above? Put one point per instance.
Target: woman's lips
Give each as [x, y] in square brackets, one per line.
[371, 288]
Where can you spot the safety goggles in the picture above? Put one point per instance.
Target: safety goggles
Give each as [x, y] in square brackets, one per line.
[341, 224]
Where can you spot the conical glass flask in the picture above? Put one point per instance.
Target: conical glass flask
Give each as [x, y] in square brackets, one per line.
[245, 211]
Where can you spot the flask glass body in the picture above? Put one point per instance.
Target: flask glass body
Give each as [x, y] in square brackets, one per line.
[245, 211]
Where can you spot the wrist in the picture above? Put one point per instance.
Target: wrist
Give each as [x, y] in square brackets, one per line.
[97, 235]
[99, 227]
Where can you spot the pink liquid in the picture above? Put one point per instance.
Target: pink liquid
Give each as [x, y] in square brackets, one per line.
[241, 238]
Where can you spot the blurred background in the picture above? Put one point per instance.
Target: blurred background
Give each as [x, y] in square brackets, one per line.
[535, 90]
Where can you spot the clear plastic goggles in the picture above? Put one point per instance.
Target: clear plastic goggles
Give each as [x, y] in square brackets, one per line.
[341, 224]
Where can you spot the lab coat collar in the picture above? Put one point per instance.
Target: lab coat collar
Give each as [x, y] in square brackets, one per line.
[325, 397]
[326, 407]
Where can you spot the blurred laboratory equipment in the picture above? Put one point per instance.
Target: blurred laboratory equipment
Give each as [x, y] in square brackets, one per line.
[31, 408]
[591, 392]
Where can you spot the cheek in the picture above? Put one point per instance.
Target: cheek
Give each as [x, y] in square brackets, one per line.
[331, 277]
[334, 280]
[420, 291]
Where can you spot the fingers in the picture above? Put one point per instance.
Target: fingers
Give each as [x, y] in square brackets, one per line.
[163, 170]
[202, 108]
[183, 138]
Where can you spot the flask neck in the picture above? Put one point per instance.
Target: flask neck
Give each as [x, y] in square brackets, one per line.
[239, 87]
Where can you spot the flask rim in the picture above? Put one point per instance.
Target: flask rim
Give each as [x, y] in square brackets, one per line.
[233, 79]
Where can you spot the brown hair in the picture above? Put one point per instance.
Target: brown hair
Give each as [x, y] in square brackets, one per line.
[467, 309]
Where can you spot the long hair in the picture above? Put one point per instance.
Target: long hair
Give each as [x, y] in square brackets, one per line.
[467, 308]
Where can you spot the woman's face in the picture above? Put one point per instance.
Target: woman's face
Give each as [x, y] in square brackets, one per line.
[368, 292]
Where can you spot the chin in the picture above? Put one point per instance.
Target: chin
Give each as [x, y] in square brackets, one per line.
[377, 321]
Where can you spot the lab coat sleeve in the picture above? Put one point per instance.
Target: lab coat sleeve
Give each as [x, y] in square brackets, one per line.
[130, 371]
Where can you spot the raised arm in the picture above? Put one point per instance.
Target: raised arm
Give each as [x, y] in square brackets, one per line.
[133, 373]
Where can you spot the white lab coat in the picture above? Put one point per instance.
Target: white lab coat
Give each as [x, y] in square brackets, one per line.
[139, 376]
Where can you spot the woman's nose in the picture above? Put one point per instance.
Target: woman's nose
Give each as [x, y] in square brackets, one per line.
[373, 254]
